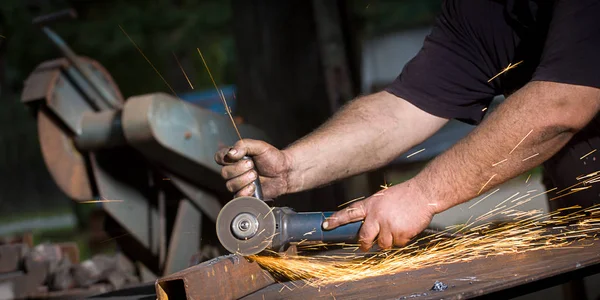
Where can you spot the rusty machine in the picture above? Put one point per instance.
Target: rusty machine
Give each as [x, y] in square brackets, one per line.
[152, 153]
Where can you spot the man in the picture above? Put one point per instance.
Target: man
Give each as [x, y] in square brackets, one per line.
[549, 117]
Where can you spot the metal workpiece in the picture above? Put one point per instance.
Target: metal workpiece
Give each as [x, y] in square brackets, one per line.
[248, 226]
[226, 277]
[102, 130]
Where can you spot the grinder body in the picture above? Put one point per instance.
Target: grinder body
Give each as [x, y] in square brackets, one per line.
[307, 226]
[247, 225]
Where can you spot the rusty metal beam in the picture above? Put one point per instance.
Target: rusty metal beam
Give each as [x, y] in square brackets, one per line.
[500, 277]
[225, 277]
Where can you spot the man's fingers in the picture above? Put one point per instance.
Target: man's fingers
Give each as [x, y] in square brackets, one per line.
[241, 148]
[367, 235]
[400, 239]
[247, 147]
[385, 239]
[237, 183]
[236, 169]
[246, 191]
[353, 213]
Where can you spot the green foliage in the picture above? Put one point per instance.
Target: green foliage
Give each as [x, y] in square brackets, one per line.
[159, 28]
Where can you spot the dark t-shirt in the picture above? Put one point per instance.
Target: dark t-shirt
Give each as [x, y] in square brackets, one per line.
[473, 40]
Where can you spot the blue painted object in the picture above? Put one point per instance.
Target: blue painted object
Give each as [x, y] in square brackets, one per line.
[210, 99]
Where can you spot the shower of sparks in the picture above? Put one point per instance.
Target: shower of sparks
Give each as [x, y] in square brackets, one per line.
[100, 201]
[528, 231]
[416, 153]
[527, 180]
[588, 154]
[483, 198]
[486, 184]
[507, 199]
[353, 200]
[546, 192]
[510, 66]
[183, 71]
[493, 165]
[531, 156]
[149, 62]
[227, 109]
[580, 189]
[530, 131]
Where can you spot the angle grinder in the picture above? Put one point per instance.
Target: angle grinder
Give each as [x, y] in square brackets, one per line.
[248, 225]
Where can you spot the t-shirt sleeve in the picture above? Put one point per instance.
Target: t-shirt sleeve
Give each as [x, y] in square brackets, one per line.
[571, 52]
[448, 77]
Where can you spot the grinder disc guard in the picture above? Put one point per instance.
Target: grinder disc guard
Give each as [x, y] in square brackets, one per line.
[246, 225]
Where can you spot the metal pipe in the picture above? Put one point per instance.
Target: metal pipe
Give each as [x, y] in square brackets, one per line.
[100, 130]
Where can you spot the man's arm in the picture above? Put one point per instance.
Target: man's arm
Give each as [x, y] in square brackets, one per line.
[367, 133]
[529, 128]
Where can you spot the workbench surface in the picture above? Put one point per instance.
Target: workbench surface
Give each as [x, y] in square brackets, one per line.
[500, 277]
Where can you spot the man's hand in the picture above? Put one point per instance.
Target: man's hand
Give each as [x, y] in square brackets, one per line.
[273, 167]
[392, 216]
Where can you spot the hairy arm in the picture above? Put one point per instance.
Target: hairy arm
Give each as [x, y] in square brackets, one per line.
[366, 134]
[530, 127]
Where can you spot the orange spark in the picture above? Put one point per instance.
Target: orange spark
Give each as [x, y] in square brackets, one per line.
[486, 184]
[100, 201]
[531, 156]
[417, 152]
[183, 71]
[588, 154]
[511, 151]
[353, 200]
[510, 66]
[484, 198]
[220, 93]
[151, 64]
[493, 165]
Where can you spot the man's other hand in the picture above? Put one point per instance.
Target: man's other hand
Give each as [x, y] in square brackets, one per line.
[272, 164]
[391, 217]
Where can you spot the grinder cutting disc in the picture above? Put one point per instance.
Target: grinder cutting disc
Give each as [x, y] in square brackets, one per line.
[246, 225]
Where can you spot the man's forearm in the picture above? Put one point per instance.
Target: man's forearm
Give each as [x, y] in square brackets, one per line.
[366, 134]
[530, 127]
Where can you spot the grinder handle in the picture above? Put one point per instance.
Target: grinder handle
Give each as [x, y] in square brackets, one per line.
[257, 186]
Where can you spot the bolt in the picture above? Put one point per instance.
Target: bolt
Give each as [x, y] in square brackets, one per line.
[244, 225]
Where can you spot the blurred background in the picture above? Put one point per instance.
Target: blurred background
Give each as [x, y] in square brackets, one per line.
[284, 67]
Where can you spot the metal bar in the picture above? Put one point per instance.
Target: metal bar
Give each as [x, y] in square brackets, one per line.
[98, 87]
[225, 277]
[500, 277]
[100, 130]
